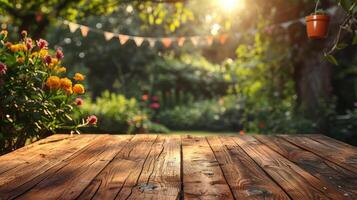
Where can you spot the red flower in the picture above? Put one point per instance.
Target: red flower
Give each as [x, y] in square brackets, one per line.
[261, 125]
[92, 120]
[59, 54]
[154, 105]
[3, 68]
[155, 98]
[241, 132]
[42, 44]
[28, 42]
[79, 101]
[145, 97]
[48, 59]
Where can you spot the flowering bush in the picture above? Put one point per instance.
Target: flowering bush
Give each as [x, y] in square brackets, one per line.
[36, 98]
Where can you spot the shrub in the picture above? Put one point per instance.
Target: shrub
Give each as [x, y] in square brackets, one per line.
[118, 114]
[209, 115]
[36, 97]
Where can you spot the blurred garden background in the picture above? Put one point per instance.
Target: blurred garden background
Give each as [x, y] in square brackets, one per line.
[221, 66]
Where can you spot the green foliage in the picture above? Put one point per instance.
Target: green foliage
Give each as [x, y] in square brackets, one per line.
[34, 101]
[210, 115]
[117, 114]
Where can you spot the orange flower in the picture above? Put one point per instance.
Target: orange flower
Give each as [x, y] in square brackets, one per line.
[53, 82]
[241, 132]
[20, 60]
[18, 47]
[69, 91]
[78, 89]
[78, 77]
[66, 83]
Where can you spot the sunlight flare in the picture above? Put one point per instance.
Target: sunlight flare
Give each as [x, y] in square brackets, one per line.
[231, 4]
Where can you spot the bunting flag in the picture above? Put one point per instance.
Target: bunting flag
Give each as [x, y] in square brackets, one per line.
[123, 39]
[223, 38]
[84, 30]
[108, 36]
[73, 27]
[138, 41]
[195, 40]
[210, 40]
[181, 41]
[166, 42]
[152, 42]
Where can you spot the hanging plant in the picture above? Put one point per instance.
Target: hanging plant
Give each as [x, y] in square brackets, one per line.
[317, 23]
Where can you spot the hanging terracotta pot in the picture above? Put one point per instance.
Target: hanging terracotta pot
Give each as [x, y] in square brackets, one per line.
[317, 26]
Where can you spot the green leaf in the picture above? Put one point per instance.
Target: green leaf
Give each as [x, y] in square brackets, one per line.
[331, 59]
[342, 46]
[61, 97]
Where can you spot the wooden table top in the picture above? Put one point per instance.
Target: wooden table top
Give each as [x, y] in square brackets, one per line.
[180, 167]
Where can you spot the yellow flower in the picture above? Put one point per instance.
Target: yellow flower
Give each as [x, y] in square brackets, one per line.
[54, 61]
[4, 33]
[78, 77]
[20, 60]
[42, 53]
[53, 82]
[65, 83]
[18, 47]
[78, 89]
[60, 69]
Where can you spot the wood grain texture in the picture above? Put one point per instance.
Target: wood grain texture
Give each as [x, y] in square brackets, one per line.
[298, 183]
[340, 154]
[160, 176]
[202, 176]
[24, 176]
[69, 180]
[24, 154]
[180, 167]
[120, 175]
[246, 178]
[341, 179]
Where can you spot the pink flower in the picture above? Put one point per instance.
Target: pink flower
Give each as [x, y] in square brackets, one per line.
[59, 54]
[79, 101]
[42, 44]
[92, 120]
[48, 59]
[154, 105]
[24, 34]
[155, 98]
[3, 68]
[29, 44]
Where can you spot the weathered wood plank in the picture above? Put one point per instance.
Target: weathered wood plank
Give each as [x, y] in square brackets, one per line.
[24, 176]
[337, 153]
[330, 142]
[122, 173]
[24, 154]
[298, 183]
[39, 157]
[245, 177]
[202, 176]
[69, 179]
[343, 180]
[160, 177]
